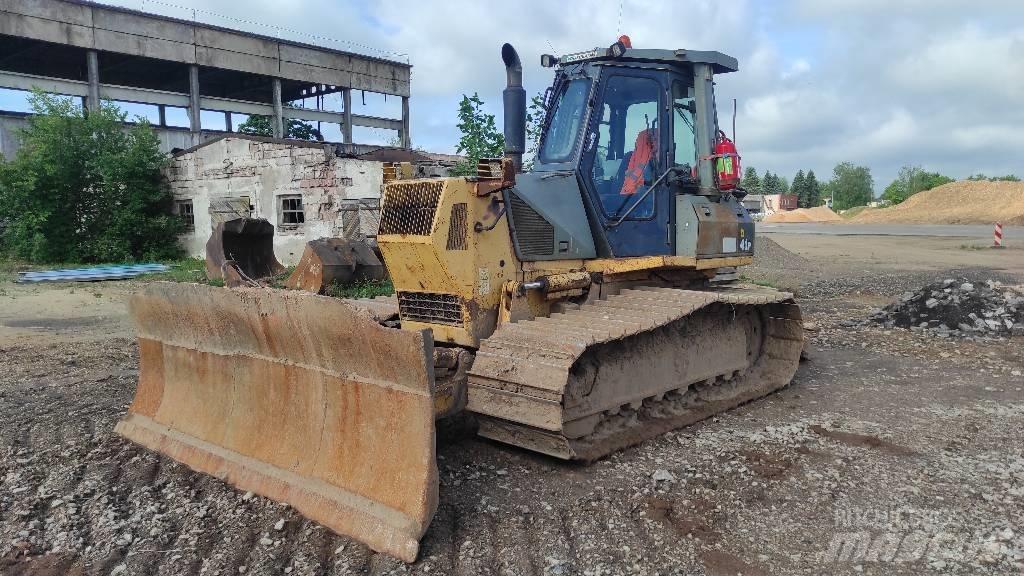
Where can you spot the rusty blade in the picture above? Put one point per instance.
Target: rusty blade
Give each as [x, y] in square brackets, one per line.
[297, 397]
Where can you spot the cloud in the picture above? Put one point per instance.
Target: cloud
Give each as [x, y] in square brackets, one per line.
[882, 83]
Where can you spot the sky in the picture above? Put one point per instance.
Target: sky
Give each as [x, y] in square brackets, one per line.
[880, 83]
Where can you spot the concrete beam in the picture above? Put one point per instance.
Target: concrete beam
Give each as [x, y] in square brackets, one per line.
[114, 29]
[144, 96]
[16, 81]
[160, 98]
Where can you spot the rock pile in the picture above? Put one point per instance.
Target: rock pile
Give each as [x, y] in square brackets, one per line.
[956, 307]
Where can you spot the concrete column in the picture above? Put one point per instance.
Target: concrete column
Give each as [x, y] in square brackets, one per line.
[346, 127]
[92, 61]
[193, 108]
[162, 111]
[227, 122]
[277, 122]
[406, 139]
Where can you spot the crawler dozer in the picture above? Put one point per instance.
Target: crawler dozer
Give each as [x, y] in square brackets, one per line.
[575, 309]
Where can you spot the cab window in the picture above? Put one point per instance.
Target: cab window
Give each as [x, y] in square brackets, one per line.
[563, 131]
[684, 136]
[627, 146]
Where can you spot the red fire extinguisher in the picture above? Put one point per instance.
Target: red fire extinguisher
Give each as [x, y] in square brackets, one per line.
[727, 163]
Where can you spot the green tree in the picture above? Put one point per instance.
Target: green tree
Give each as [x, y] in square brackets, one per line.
[480, 136]
[851, 186]
[772, 184]
[751, 181]
[1007, 178]
[86, 188]
[535, 117]
[294, 128]
[910, 181]
[800, 189]
[814, 191]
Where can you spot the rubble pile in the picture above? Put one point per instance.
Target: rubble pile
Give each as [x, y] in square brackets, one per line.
[958, 308]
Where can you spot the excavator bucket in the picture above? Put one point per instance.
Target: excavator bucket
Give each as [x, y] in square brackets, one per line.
[329, 260]
[242, 249]
[301, 398]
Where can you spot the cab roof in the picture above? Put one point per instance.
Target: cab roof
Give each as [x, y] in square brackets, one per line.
[720, 63]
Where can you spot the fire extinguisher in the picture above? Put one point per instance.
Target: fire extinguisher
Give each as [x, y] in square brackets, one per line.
[727, 163]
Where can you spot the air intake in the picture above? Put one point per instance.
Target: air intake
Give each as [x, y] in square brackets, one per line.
[458, 227]
[430, 308]
[535, 236]
[409, 207]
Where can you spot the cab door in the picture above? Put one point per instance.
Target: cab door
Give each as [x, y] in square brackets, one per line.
[626, 149]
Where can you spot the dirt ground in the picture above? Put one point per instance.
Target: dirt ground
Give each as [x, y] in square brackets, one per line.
[890, 453]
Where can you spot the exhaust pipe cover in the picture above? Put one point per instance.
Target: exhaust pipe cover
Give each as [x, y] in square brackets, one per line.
[514, 100]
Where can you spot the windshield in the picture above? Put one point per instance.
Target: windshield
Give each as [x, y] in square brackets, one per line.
[564, 128]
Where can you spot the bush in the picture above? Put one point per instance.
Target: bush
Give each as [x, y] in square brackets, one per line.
[84, 188]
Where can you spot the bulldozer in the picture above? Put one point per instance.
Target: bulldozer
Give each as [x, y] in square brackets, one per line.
[573, 309]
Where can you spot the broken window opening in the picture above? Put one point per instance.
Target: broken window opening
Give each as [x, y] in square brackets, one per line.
[184, 210]
[293, 214]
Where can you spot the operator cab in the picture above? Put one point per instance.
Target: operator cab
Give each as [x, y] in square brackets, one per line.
[636, 131]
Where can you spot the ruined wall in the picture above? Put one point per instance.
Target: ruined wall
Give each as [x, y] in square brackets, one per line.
[240, 177]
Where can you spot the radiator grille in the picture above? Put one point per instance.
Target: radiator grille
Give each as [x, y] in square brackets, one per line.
[409, 207]
[534, 234]
[457, 227]
[430, 307]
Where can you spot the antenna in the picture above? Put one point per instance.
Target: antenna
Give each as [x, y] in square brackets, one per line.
[618, 26]
[734, 120]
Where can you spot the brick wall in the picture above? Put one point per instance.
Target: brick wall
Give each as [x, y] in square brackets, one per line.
[340, 196]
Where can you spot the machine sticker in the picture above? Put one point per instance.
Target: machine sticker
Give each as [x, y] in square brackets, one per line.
[484, 282]
[745, 244]
[729, 244]
[581, 56]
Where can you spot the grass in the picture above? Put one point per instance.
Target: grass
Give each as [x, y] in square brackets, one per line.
[853, 212]
[184, 270]
[765, 283]
[361, 289]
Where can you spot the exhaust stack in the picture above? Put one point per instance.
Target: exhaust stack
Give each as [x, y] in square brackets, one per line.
[514, 100]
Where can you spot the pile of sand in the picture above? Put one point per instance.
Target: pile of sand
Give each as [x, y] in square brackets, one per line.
[817, 214]
[963, 202]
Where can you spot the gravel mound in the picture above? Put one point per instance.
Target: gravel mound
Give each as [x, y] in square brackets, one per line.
[958, 307]
[769, 255]
[963, 202]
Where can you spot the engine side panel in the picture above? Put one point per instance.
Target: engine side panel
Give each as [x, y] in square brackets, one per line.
[448, 276]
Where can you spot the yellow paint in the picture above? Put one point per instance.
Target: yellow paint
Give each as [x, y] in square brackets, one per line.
[485, 275]
[475, 274]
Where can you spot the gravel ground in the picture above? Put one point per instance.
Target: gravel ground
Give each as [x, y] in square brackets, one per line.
[892, 452]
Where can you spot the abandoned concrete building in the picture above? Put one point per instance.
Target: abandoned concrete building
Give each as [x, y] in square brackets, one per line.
[188, 69]
[307, 190]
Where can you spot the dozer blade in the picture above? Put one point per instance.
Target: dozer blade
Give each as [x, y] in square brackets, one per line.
[301, 398]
